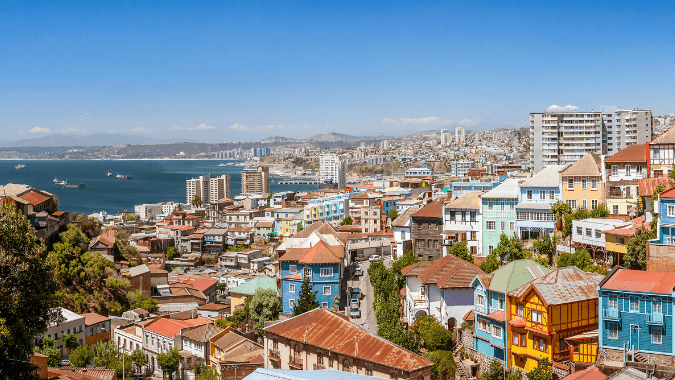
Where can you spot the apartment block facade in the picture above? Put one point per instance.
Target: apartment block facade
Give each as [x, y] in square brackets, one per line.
[208, 189]
[255, 180]
[332, 169]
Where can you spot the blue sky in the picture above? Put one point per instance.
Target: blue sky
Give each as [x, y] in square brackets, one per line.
[245, 70]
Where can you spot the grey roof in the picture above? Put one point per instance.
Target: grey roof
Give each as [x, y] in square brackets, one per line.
[288, 374]
[403, 219]
[549, 177]
[506, 189]
[469, 201]
[533, 206]
[138, 270]
[215, 231]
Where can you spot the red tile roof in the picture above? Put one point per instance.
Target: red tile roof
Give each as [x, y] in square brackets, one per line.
[214, 306]
[646, 186]
[93, 318]
[590, 373]
[517, 322]
[297, 276]
[432, 210]
[171, 327]
[34, 197]
[633, 153]
[643, 281]
[320, 254]
[497, 315]
[446, 272]
[198, 283]
[670, 193]
[331, 331]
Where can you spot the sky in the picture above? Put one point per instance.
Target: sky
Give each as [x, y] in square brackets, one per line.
[223, 71]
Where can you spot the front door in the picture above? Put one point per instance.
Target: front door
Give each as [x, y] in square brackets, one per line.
[635, 337]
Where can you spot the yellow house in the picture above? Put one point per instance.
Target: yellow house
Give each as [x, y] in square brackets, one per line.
[582, 185]
[617, 239]
[546, 313]
[232, 354]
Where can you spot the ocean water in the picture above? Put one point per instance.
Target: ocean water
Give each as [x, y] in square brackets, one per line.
[152, 181]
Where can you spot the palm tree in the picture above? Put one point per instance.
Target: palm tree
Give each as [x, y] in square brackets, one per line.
[197, 200]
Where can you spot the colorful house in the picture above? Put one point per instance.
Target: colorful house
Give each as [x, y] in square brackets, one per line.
[582, 185]
[322, 264]
[661, 251]
[498, 210]
[462, 223]
[622, 172]
[637, 315]
[247, 289]
[533, 211]
[490, 303]
[545, 312]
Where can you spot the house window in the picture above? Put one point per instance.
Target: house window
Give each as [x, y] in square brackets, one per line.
[535, 316]
[423, 292]
[502, 206]
[612, 330]
[551, 194]
[345, 365]
[671, 210]
[570, 184]
[324, 305]
[588, 232]
[657, 334]
[580, 231]
[512, 226]
[540, 344]
[483, 325]
[326, 290]
[291, 303]
[542, 194]
[480, 300]
[583, 184]
[472, 215]
[491, 206]
[615, 169]
[584, 204]
[369, 372]
[529, 194]
[326, 272]
[620, 240]
[656, 306]
[497, 331]
[613, 302]
[516, 339]
[491, 225]
[500, 304]
[292, 269]
[307, 272]
[638, 170]
[634, 304]
[452, 215]
[572, 203]
[594, 184]
[627, 170]
[520, 309]
[437, 244]
[503, 226]
[594, 204]
[615, 209]
[490, 249]
[291, 288]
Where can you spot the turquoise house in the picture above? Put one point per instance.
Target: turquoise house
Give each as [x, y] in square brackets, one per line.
[498, 207]
[490, 303]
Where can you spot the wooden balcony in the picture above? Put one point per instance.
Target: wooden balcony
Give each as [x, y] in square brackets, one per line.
[561, 356]
[295, 362]
[274, 356]
[319, 366]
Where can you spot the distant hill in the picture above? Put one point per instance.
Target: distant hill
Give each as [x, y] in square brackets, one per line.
[100, 139]
[274, 139]
[333, 137]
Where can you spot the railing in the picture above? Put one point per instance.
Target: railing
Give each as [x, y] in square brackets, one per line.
[318, 366]
[611, 314]
[420, 303]
[655, 319]
[274, 355]
[295, 361]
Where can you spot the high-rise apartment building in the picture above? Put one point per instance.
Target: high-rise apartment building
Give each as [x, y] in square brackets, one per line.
[255, 180]
[332, 169]
[208, 189]
[444, 137]
[561, 138]
[460, 135]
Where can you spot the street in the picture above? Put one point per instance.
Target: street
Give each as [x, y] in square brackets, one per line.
[367, 321]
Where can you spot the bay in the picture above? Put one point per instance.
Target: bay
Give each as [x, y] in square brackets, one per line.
[152, 181]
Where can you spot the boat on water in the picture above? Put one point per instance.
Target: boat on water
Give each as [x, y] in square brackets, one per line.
[69, 186]
[61, 183]
[56, 180]
[119, 176]
[221, 164]
[20, 166]
[109, 173]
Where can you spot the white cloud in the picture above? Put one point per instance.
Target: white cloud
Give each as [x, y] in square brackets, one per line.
[202, 127]
[429, 120]
[70, 130]
[139, 129]
[269, 127]
[239, 127]
[469, 122]
[557, 108]
[39, 130]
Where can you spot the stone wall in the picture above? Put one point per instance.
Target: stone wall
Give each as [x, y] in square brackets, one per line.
[560, 370]
[660, 257]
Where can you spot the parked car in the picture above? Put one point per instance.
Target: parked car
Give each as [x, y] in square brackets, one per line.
[358, 271]
[354, 311]
[64, 363]
[374, 258]
[356, 295]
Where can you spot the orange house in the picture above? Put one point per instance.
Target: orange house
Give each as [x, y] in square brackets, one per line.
[97, 328]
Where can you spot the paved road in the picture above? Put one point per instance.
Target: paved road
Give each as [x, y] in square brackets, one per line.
[367, 321]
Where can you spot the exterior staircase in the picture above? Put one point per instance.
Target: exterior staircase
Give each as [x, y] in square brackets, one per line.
[463, 373]
[639, 357]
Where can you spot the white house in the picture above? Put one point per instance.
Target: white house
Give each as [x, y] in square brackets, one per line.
[163, 334]
[70, 323]
[440, 288]
[587, 233]
[129, 337]
[462, 223]
[403, 232]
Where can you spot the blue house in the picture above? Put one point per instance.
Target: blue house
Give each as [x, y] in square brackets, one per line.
[322, 264]
[490, 303]
[665, 208]
[637, 314]
[533, 211]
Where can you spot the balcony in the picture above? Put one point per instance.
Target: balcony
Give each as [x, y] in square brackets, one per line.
[295, 362]
[655, 319]
[318, 366]
[561, 356]
[420, 303]
[274, 356]
[611, 314]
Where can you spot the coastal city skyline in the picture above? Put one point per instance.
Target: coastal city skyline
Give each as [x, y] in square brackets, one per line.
[244, 72]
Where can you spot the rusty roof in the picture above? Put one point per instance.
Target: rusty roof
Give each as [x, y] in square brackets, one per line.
[321, 253]
[330, 331]
[642, 281]
[646, 186]
[415, 269]
[321, 227]
[446, 272]
[632, 153]
[34, 197]
[563, 285]
[404, 218]
[590, 373]
[93, 318]
[517, 321]
[201, 333]
[667, 137]
[670, 193]
[432, 210]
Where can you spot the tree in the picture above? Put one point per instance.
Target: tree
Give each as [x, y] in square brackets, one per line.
[306, 299]
[139, 359]
[580, 259]
[495, 371]
[636, 249]
[511, 248]
[178, 207]
[138, 301]
[171, 253]
[542, 372]
[393, 214]
[27, 292]
[347, 221]
[196, 200]
[207, 374]
[298, 227]
[559, 209]
[600, 212]
[264, 306]
[169, 362]
[222, 287]
[490, 264]
[406, 260]
[445, 366]
[434, 335]
[546, 246]
[460, 250]
[70, 341]
[655, 194]
[81, 356]
[48, 348]
[106, 355]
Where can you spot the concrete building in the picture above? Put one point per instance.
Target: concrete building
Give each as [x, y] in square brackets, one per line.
[460, 135]
[71, 323]
[255, 180]
[498, 211]
[461, 168]
[208, 189]
[444, 137]
[219, 188]
[462, 223]
[97, 328]
[332, 170]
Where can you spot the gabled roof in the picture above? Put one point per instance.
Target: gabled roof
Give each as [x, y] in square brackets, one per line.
[549, 177]
[403, 220]
[646, 186]
[330, 331]
[667, 137]
[642, 281]
[107, 238]
[231, 339]
[34, 197]
[667, 194]
[294, 254]
[321, 227]
[171, 327]
[588, 165]
[201, 333]
[468, 201]
[432, 210]
[321, 253]
[516, 274]
[561, 286]
[249, 287]
[506, 189]
[632, 153]
[93, 318]
[446, 272]
[590, 373]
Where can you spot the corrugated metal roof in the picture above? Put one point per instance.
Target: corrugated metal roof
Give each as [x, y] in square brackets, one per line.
[404, 218]
[468, 201]
[642, 281]
[506, 189]
[588, 165]
[330, 331]
[646, 186]
[446, 272]
[584, 335]
[549, 177]
[563, 285]
[516, 274]
[249, 287]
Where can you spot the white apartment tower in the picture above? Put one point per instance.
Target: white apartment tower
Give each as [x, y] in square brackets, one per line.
[332, 168]
[444, 137]
[460, 135]
[255, 180]
[209, 189]
[561, 138]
